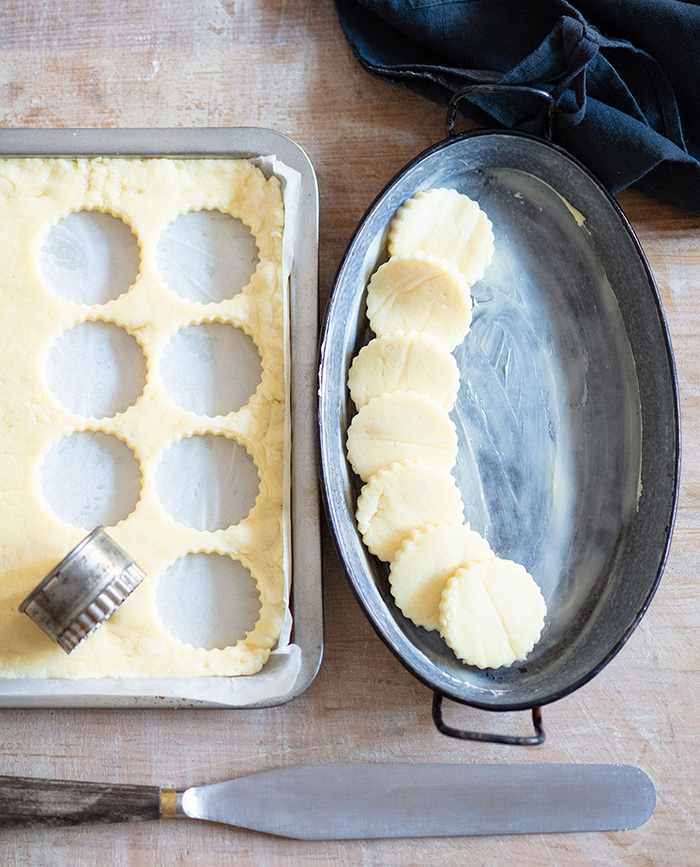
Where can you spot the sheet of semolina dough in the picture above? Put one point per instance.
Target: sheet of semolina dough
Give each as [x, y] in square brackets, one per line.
[147, 195]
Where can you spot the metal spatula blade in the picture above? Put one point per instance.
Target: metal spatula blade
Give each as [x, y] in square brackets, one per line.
[324, 802]
[363, 801]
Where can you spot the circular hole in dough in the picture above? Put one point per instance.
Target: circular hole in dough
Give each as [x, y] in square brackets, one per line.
[448, 224]
[90, 478]
[211, 368]
[96, 369]
[90, 257]
[404, 362]
[397, 427]
[208, 601]
[491, 613]
[419, 292]
[206, 256]
[207, 482]
[404, 497]
[425, 561]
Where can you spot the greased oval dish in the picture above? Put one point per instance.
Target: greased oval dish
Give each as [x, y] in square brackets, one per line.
[566, 417]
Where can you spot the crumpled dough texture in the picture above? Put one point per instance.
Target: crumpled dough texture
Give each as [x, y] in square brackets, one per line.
[404, 362]
[448, 224]
[402, 497]
[147, 194]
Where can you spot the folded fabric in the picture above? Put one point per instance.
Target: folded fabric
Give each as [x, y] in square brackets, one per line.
[625, 75]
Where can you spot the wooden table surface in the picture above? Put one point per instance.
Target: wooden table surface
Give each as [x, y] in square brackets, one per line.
[284, 64]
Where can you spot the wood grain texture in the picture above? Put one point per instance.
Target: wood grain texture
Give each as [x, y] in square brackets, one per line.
[29, 801]
[284, 64]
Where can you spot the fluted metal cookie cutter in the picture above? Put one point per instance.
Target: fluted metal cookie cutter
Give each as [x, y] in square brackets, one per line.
[83, 590]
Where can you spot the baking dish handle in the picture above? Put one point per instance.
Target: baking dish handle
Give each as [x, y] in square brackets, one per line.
[471, 89]
[529, 741]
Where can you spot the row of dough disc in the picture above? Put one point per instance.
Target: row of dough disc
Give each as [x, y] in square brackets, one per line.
[403, 444]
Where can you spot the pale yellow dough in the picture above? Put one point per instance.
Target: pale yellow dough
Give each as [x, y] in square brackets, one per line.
[448, 224]
[443, 575]
[147, 195]
[397, 427]
[424, 562]
[399, 499]
[420, 292]
[404, 362]
[491, 613]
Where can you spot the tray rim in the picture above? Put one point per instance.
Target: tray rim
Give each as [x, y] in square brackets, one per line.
[306, 588]
[444, 690]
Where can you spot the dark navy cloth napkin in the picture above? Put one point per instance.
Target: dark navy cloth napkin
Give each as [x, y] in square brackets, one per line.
[625, 75]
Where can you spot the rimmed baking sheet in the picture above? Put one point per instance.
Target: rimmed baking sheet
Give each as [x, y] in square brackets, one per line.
[294, 663]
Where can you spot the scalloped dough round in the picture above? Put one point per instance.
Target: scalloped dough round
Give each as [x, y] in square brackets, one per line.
[492, 613]
[404, 362]
[399, 499]
[397, 427]
[420, 292]
[425, 561]
[448, 224]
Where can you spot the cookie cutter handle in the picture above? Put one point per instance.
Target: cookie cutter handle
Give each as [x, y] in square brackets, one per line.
[472, 89]
[512, 740]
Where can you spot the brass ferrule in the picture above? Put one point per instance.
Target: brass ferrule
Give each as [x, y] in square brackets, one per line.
[168, 803]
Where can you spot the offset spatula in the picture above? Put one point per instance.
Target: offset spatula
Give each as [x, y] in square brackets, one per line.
[361, 801]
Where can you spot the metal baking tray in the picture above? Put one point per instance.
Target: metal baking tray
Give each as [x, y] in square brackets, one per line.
[306, 601]
[567, 416]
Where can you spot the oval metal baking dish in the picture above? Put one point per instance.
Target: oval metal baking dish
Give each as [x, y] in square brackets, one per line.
[567, 416]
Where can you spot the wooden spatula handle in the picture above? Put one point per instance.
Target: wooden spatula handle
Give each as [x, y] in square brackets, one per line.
[29, 801]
